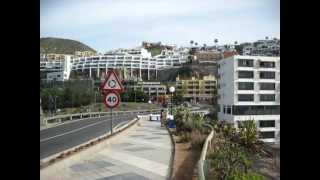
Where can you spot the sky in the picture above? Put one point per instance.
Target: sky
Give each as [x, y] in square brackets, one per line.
[111, 24]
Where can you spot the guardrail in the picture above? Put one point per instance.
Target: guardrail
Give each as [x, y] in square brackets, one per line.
[207, 144]
[71, 117]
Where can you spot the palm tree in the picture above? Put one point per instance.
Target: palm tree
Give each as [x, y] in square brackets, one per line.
[216, 42]
[204, 46]
[236, 42]
[191, 42]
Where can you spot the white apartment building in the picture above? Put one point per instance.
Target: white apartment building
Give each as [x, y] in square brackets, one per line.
[58, 70]
[137, 61]
[154, 89]
[249, 89]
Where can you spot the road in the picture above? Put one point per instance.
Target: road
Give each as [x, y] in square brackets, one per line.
[60, 138]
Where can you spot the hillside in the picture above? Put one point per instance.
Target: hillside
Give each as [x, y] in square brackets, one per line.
[186, 71]
[62, 46]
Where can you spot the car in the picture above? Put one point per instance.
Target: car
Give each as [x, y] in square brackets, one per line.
[155, 117]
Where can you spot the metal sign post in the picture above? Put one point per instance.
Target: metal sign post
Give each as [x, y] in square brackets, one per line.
[111, 88]
[112, 100]
[111, 122]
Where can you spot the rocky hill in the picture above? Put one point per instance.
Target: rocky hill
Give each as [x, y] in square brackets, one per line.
[62, 46]
[170, 74]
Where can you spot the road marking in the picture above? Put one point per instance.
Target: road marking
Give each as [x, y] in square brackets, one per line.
[75, 130]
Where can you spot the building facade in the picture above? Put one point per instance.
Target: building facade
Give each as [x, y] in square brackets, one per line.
[84, 53]
[56, 70]
[197, 89]
[263, 48]
[135, 62]
[249, 89]
[153, 89]
[207, 56]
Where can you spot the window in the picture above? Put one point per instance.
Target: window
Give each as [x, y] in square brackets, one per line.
[224, 109]
[245, 97]
[245, 62]
[229, 110]
[267, 97]
[245, 85]
[245, 74]
[267, 64]
[267, 134]
[267, 86]
[267, 75]
[256, 110]
[266, 123]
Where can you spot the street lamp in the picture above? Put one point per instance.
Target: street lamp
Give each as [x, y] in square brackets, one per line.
[171, 89]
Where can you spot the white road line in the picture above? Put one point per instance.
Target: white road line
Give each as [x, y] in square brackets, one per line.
[75, 130]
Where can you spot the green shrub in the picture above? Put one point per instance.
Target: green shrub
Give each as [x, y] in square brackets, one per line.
[185, 137]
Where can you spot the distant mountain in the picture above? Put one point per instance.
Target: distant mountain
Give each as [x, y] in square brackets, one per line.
[62, 46]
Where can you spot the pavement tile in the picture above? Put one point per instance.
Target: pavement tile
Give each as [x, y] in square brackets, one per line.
[143, 154]
[139, 149]
[125, 176]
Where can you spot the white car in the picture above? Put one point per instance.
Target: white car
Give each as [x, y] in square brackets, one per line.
[154, 117]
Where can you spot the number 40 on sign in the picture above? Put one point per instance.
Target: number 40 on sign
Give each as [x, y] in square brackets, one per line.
[112, 99]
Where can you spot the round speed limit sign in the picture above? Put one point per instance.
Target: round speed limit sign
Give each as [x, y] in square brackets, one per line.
[112, 99]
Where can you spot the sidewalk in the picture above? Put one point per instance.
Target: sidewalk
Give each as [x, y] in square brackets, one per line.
[143, 154]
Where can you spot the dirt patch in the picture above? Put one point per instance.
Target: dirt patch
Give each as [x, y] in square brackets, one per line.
[185, 161]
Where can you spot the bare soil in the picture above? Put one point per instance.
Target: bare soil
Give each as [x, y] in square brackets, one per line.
[185, 161]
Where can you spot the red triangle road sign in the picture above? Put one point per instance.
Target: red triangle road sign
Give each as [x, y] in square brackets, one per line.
[112, 82]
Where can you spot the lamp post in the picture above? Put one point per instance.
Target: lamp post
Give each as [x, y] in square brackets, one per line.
[171, 89]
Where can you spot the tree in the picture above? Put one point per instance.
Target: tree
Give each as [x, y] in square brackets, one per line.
[216, 42]
[191, 42]
[205, 46]
[196, 43]
[267, 37]
[248, 134]
[197, 121]
[67, 98]
[178, 98]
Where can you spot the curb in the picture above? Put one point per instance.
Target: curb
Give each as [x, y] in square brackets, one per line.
[170, 174]
[71, 151]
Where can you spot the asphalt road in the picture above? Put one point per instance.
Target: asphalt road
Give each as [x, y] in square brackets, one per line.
[60, 138]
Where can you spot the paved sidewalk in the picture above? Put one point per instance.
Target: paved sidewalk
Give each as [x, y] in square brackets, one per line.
[143, 154]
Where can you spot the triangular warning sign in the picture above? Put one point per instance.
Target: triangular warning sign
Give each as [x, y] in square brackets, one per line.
[112, 82]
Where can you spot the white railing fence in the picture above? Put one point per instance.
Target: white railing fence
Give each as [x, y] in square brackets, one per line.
[202, 161]
[71, 117]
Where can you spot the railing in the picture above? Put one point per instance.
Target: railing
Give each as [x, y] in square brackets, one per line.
[207, 144]
[71, 117]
